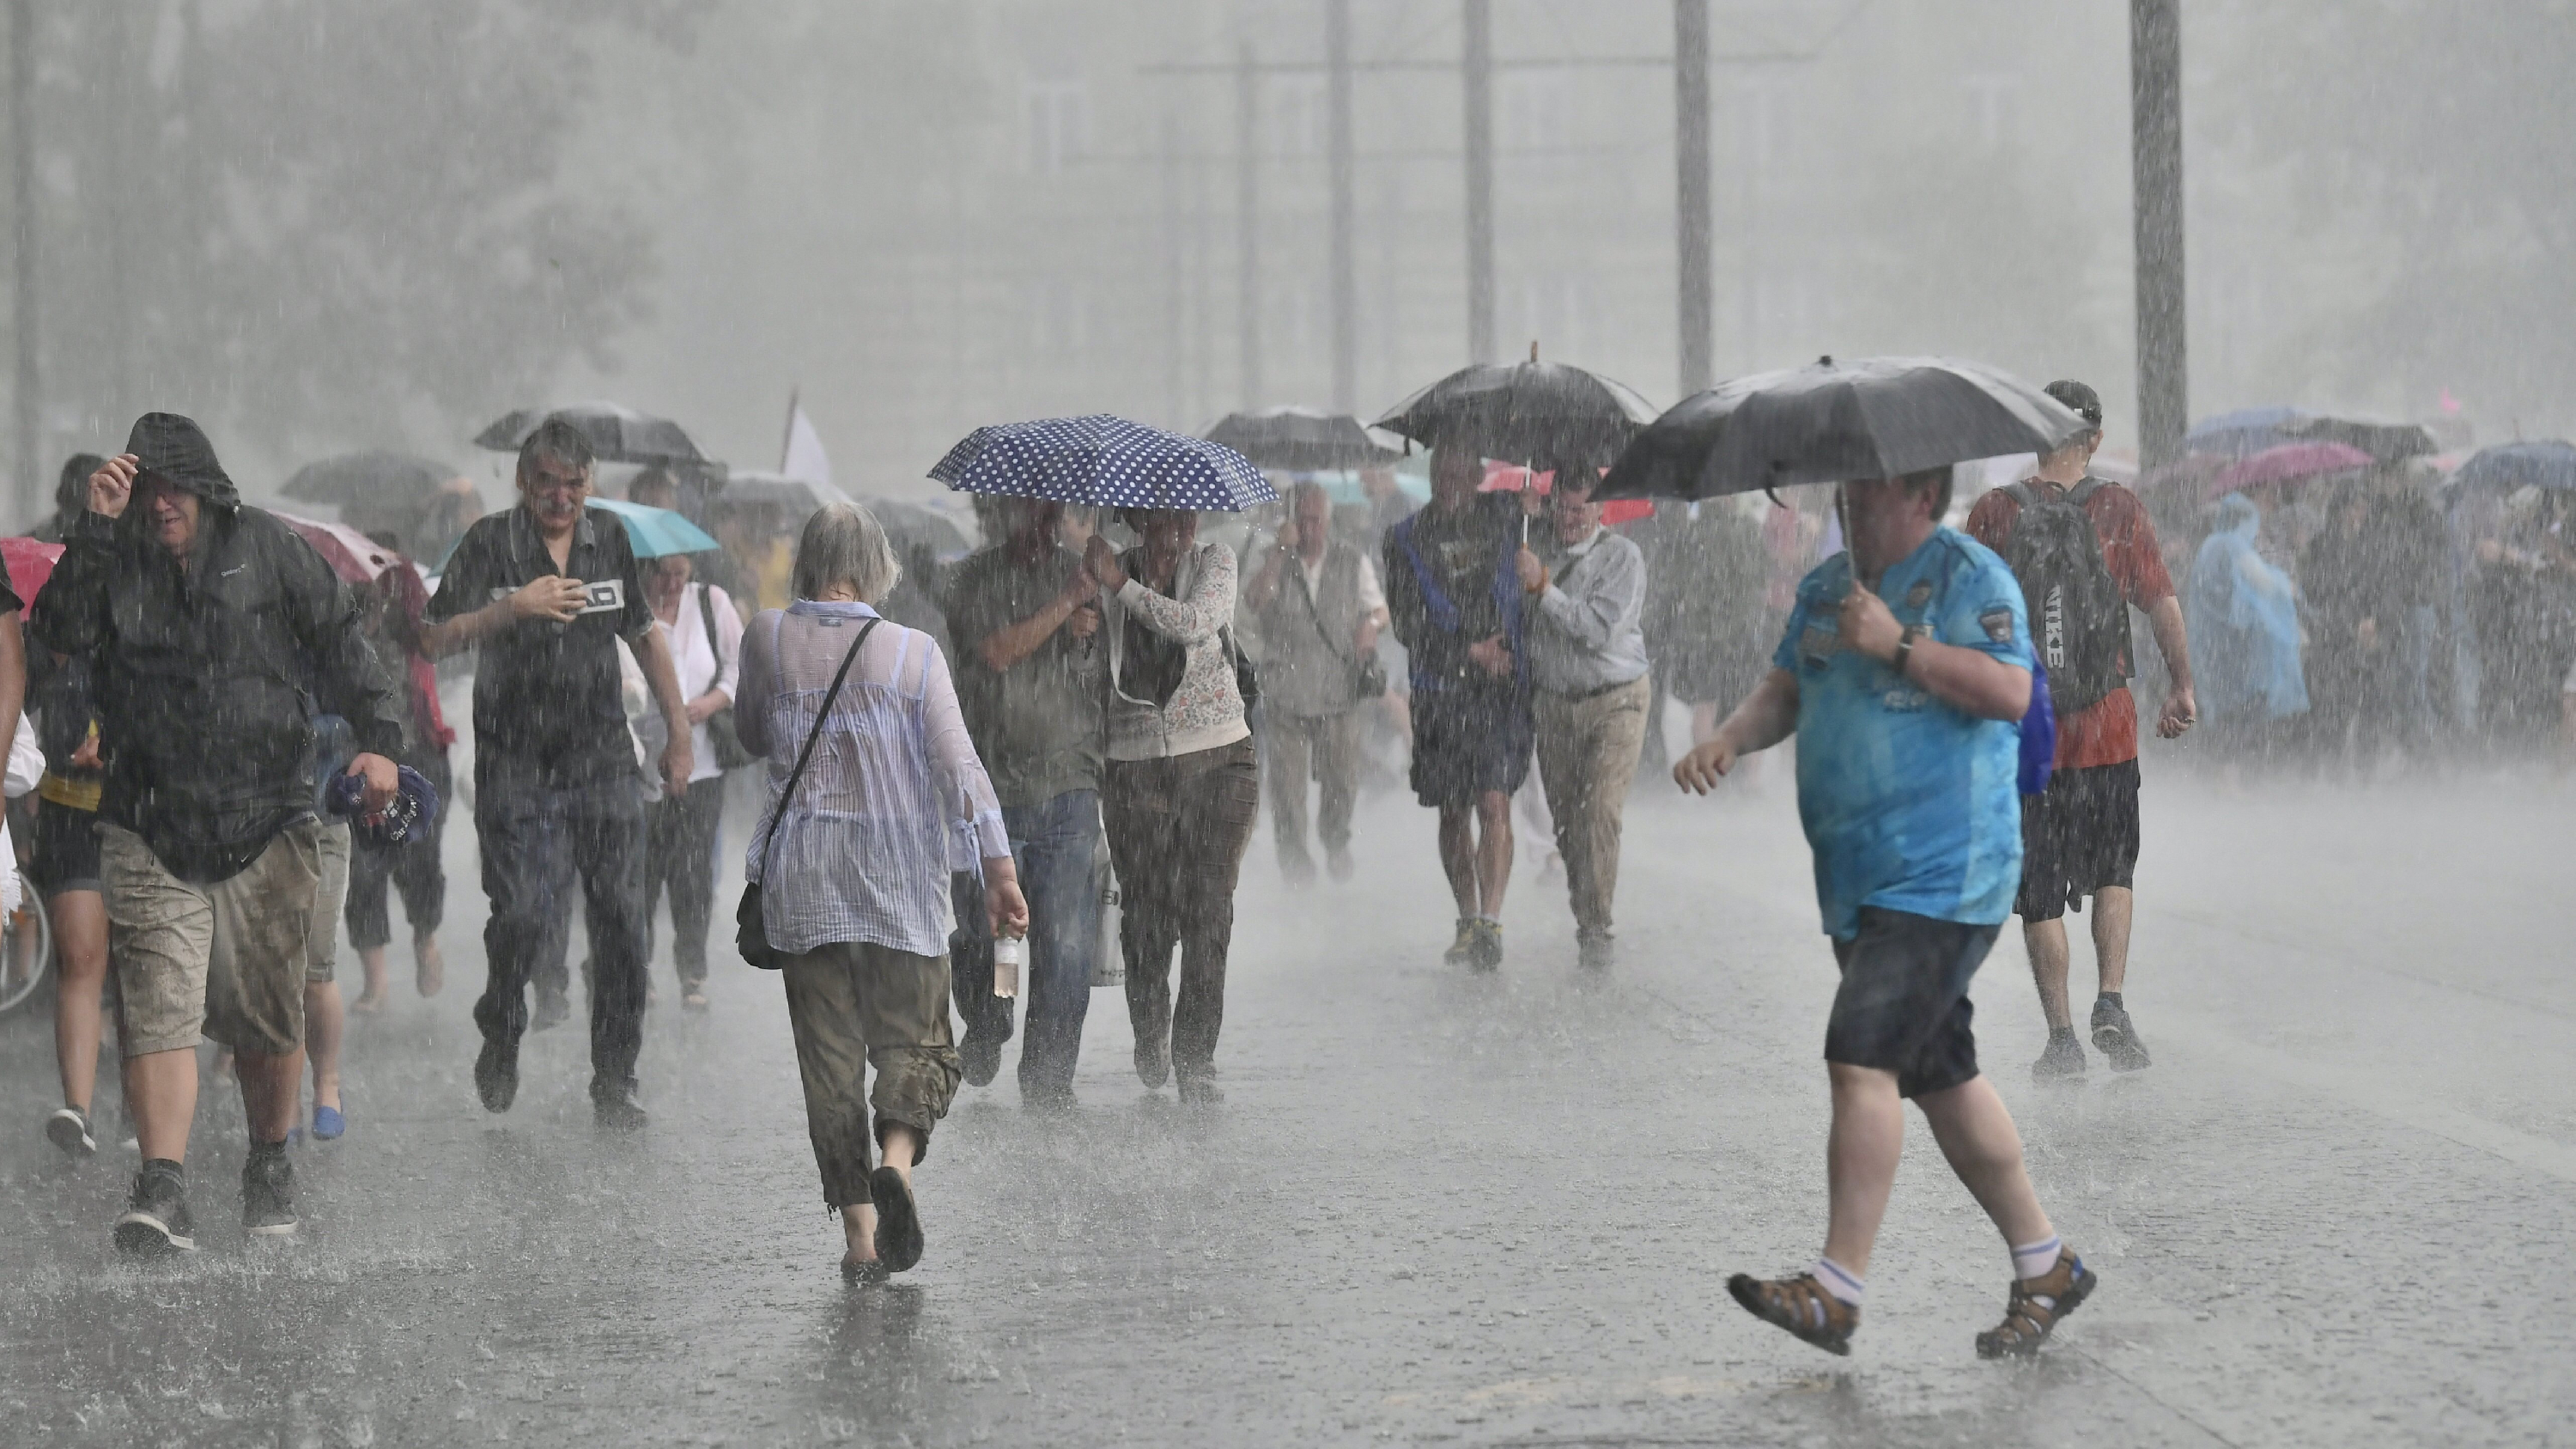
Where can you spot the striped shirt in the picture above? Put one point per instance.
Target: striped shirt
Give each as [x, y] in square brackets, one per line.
[893, 800]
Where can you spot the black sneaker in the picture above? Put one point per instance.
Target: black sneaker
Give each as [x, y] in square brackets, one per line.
[268, 1193]
[496, 1074]
[68, 1129]
[979, 1058]
[1153, 1062]
[2064, 1059]
[156, 1220]
[615, 1107]
[551, 1011]
[2116, 1039]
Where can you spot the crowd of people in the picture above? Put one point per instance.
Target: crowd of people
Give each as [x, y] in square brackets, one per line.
[957, 756]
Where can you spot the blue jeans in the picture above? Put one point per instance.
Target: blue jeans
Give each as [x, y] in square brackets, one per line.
[536, 841]
[1052, 845]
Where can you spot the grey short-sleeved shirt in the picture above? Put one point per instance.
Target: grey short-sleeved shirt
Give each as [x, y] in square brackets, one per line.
[1037, 725]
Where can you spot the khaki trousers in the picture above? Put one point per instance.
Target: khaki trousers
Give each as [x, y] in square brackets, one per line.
[1587, 758]
[1326, 748]
[853, 1005]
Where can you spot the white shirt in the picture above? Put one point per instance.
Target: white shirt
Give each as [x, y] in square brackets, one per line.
[1372, 598]
[704, 664]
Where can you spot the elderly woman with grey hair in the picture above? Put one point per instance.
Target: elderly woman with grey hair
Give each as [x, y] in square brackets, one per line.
[855, 879]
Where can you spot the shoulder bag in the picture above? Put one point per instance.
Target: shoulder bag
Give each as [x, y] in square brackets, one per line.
[751, 933]
[730, 755]
[1367, 674]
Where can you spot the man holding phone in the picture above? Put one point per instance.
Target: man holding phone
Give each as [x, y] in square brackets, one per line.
[547, 590]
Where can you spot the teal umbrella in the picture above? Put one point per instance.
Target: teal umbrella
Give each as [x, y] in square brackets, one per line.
[652, 531]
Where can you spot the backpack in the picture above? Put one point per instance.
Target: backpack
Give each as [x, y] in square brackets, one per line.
[2079, 623]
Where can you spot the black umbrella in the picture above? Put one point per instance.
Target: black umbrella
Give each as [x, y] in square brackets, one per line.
[1300, 440]
[617, 434]
[1533, 412]
[1834, 422]
[379, 478]
[2384, 442]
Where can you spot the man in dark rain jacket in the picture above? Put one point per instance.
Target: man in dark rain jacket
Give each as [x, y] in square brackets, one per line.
[214, 635]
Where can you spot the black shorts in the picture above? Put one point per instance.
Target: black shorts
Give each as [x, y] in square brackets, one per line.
[1903, 1006]
[2077, 838]
[66, 849]
[1468, 741]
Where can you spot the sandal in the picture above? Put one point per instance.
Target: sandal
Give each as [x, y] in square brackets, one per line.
[898, 1220]
[2036, 1306]
[1800, 1305]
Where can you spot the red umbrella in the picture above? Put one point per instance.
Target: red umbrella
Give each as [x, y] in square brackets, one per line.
[30, 564]
[2288, 463]
[356, 558]
[1512, 478]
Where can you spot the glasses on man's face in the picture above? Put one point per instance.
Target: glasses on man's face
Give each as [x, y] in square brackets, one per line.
[556, 483]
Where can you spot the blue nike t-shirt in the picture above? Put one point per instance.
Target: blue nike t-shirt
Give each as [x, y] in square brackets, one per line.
[1909, 804]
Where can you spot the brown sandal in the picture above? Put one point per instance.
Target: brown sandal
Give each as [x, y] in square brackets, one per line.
[2037, 1304]
[1800, 1305]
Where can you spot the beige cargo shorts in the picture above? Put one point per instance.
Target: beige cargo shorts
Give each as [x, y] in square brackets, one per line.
[226, 960]
[322, 946]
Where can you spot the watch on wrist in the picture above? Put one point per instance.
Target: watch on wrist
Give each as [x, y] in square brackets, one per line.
[1905, 648]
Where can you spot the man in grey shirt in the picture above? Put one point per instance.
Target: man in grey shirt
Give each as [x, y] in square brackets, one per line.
[1587, 662]
[1031, 675]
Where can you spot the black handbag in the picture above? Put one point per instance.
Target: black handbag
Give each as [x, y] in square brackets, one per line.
[1368, 674]
[730, 755]
[751, 933]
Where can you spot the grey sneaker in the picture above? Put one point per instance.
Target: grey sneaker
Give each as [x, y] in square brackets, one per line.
[2116, 1039]
[2064, 1059]
[268, 1193]
[68, 1129]
[156, 1220]
[1463, 949]
[1596, 950]
[1487, 954]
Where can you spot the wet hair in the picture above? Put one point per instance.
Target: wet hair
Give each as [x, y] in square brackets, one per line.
[556, 441]
[2079, 398]
[1939, 479]
[1298, 490]
[71, 490]
[655, 487]
[844, 544]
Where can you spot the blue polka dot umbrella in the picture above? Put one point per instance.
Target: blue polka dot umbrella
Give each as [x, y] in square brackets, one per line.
[1103, 462]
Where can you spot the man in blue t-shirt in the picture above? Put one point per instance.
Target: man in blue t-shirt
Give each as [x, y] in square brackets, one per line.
[1904, 674]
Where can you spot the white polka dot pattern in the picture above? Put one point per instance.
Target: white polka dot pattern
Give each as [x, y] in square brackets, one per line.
[1104, 462]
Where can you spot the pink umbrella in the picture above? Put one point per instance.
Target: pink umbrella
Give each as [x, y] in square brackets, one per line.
[30, 564]
[1512, 478]
[2288, 463]
[356, 558]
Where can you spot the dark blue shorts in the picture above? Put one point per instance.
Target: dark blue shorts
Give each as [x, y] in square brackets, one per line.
[1467, 742]
[1903, 1006]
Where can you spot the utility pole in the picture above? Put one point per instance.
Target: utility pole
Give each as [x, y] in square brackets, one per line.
[1345, 279]
[36, 501]
[1693, 207]
[1476, 70]
[2155, 141]
[1247, 221]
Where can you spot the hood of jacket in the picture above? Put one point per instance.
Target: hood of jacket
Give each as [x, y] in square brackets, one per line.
[175, 448]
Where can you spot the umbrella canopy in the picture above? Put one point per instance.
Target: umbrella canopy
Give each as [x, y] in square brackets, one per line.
[1300, 440]
[657, 531]
[356, 558]
[374, 477]
[31, 562]
[2288, 463]
[2504, 468]
[2384, 442]
[1103, 462]
[617, 434]
[2244, 432]
[1834, 422]
[795, 496]
[1525, 412]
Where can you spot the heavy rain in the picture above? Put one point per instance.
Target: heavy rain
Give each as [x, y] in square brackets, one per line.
[1728, 722]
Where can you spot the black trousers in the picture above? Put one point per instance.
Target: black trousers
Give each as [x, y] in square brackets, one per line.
[1177, 832]
[679, 857]
[537, 841]
[412, 868]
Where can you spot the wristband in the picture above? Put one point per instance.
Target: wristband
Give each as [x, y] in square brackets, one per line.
[1904, 648]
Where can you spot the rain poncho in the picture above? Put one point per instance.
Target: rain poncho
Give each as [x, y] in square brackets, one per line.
[2244, 618]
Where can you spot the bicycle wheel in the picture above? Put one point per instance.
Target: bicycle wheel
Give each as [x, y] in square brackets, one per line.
[26, 948]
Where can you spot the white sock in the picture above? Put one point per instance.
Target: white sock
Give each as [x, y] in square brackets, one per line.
[1840, 1281]
[2035, 1260]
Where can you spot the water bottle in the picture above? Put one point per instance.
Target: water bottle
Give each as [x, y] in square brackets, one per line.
[1008, 952]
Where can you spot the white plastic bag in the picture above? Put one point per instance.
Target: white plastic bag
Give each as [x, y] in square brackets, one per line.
[26, 760]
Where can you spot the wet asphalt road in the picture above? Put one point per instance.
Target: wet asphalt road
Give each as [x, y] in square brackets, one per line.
[1437, 1208]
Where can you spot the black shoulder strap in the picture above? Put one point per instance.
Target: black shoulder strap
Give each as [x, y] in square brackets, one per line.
[2021, 493]
[707, 616]
[2083, 490]
[830, 697]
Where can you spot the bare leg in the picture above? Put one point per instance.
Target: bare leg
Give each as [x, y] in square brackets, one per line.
[859, 1219]
[1976, 1133]
[271, 1088]
[2047, 943]
[2112, 906]
[429, 968]
[371, 960]
[1494, 849]
[162, 1089]
[324, 1026]
[1860, 1160]
[1458, 855]
[80, 946]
